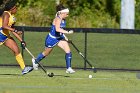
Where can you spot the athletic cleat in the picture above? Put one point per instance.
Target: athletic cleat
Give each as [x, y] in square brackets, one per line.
[27, 70]
[70, 70]
[35, 65]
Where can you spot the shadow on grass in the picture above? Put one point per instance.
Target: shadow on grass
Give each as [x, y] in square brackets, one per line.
[61, 76]
[11, 75]
[56, 75]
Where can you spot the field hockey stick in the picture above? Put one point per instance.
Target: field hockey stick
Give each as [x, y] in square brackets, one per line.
[49, 74]
[80, 53]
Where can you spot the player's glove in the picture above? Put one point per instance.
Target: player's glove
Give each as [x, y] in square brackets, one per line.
[70, 32]
[23, 44]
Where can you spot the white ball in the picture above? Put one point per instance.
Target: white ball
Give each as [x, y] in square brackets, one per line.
[90, 76]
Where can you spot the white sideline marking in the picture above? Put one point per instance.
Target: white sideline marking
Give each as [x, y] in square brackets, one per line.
[109, 78]
[36, 87]
[93, 78]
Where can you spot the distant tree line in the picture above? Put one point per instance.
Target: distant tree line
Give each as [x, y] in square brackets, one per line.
[83, 13]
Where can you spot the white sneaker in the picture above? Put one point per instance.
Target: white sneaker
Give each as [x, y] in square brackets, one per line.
[70, 70]
[27, 70]
[35, 65]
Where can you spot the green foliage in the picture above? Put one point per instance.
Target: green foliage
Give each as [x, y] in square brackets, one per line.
[137, 19]
[35, 12]
[113, 7]
[93, 13]
[83, 13]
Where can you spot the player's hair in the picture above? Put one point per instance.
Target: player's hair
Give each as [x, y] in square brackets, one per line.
[9, 5]
[1, 11]
[1, 7]
[60, 7]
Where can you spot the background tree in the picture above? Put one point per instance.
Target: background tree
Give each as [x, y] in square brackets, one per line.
[83, 13]
[137, 19]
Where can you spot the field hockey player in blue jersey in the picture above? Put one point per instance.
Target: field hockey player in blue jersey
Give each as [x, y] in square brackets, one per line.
[57, 37]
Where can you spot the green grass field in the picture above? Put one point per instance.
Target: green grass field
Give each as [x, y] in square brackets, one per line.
[11, 81]
[117, 51]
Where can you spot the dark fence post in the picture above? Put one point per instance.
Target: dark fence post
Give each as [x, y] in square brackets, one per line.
[85, 65]
[22, 50]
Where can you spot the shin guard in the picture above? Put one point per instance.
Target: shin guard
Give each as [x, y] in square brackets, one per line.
[68, 58]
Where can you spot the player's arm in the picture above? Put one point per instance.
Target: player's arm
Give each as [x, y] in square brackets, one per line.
[16, 33]
[5, 19]
[57, 23]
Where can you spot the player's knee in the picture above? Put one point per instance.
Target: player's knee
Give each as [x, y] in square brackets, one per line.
[16, 51]
[69, 54]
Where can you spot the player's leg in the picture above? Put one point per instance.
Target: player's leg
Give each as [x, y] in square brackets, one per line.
[49, 44]
[68, 56]
[12, 45]
[40, 57]
[64, 45]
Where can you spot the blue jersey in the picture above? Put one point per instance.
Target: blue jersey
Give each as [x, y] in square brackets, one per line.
[54, 37]
[53, 31]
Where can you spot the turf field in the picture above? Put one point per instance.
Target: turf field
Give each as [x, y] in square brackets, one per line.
[11, 81]
[117, 51]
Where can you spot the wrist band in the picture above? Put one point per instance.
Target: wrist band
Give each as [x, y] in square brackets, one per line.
[15, 31]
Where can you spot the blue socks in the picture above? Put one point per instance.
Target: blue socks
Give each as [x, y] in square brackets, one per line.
[40, 57]
[68, 57]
